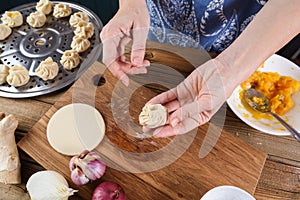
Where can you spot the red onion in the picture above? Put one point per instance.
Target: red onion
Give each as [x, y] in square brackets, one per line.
[109, 191]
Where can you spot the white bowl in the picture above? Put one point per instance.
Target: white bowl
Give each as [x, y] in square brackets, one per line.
[227, 192]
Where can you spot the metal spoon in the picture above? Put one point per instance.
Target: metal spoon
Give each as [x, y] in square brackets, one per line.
[261, 103]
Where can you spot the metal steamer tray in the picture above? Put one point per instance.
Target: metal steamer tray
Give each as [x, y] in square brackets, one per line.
[29, 46]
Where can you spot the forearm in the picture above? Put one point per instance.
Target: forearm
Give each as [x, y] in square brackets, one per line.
[133, 3]
[275, 25]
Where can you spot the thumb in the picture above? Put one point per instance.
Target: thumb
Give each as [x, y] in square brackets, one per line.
[139, 37]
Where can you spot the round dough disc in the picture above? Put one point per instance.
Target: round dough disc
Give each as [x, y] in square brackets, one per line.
[74, 128]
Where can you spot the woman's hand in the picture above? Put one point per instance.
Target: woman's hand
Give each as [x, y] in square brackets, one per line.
[131, 22]
[194, 101]
[197, 98]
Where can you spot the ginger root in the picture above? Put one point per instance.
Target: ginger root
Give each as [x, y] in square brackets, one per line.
[10, 167]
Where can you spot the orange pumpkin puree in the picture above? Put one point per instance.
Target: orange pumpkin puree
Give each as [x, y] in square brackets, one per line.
[279, 89]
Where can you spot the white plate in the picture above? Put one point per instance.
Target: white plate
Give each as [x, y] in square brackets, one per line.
[227, 193]
[284, 67]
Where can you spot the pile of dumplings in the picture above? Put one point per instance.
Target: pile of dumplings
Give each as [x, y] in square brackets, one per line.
[48, 69]
[17, 75]
[80, 43]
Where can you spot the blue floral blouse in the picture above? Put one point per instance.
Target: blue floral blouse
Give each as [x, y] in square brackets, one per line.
[206, 24]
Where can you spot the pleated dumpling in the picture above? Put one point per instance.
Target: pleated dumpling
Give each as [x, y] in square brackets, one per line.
[12, 18]
[78, 17]
[4, 71]
[44, 6]
[36, 19]
[153, 115]
[62, 10]
[70, 59]
[18, 76]
[47, 70]
[80, 44]
[5, 31]
[84, 29]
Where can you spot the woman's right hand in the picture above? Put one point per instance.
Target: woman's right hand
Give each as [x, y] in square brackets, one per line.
[131, 22]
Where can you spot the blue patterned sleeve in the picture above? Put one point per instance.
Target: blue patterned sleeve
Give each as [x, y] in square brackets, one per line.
[205, 24]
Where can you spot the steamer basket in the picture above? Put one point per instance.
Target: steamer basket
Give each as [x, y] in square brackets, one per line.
[29, 46]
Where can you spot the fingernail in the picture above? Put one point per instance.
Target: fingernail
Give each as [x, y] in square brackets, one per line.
[174, 122]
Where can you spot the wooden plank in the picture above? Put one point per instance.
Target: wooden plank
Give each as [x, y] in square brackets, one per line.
[13, 192]
[52, 97]
[279, 146]
[278, 181]
[230, 162]
[27, 111]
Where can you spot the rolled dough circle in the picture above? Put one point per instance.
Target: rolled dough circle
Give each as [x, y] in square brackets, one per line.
[74, 128]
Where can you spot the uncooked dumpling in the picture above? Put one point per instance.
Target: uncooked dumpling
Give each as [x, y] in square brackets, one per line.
[4, 70]
[18, 76]
[153, 115]
[12, 18]
[84, 29]
[5, 31]
[70, 59]
[36, 19]
[47, 70]
[45, 6]
[78, 17]
[80, 44]
[62, 10]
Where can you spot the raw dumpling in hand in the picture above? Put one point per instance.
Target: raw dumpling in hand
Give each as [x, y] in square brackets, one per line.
[153, 115]
[47, 70]
[70, 59]
[12, 18]
[18, 76]
[45, 6]
[4, 70]
[80, 44]
[84, 29]
[78, 17]
[61, 10]
[5, 31]
[36, 19]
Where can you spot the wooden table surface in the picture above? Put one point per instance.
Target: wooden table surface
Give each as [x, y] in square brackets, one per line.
[280, 178]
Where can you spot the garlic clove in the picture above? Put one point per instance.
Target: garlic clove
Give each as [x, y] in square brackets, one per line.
[78, 177]
[72, 164]
[48, 185]
[94, 166]
[94, 169]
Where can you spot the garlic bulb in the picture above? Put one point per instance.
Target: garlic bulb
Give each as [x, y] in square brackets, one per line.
[85, 167]
[48, 185]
